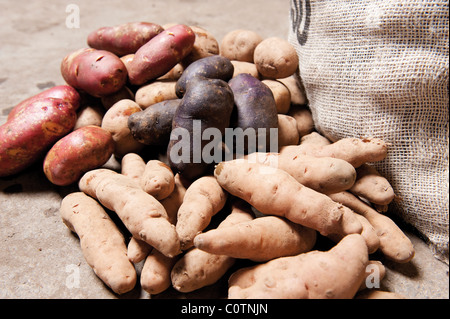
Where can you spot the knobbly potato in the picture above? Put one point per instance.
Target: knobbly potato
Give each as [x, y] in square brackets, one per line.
[153, 125]
[210, 102]
[255, 109]
[115, 121]
[213, 67]
[86, 148]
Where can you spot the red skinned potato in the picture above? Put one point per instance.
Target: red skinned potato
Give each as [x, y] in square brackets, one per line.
[125, 38]
[159, 55]
[27, 136]
[97, 72]
[63, 92]
[86, 148]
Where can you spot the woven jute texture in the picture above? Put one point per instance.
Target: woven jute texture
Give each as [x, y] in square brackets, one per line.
[379, 68]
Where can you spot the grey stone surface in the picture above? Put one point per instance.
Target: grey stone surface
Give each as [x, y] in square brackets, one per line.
[39, 256]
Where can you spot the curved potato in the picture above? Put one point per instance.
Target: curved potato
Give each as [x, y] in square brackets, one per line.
[160, 54]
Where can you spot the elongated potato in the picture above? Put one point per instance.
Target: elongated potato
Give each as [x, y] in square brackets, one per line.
[84, 149]
[133, 166]
[372, 186]
[155, 92]
[26, 137]
[203, 199]
[155, 274]
[160, 54]
[356, 151]
[323, 174]
[278, 193]
[102, 243]
[123, 39]
[310, 275]
[63, 92]
[394, 244]
[198, 268]
[303, 117]
[141, 213]
[260, 239]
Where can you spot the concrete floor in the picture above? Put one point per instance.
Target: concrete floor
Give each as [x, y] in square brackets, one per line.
[39, 257]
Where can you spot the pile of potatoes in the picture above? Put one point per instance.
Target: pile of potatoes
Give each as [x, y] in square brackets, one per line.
[126, 94]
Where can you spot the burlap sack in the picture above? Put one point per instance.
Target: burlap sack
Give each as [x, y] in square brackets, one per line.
[379, 68]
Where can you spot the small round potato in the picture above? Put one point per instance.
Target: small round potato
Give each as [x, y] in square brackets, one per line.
[275, 58]
[89, 114]
[240, 45]
[205, 45]
[281, 94]
[245, 67]
[115, 121]
[86, 148]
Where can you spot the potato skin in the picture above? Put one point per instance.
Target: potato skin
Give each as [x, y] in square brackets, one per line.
[27, 136]
[64, 92]
[97, 72]
[125, 38]
[115, 121]
[205, 45]
[153, 125]
[160, 54]
[240, 45]
[275, 58]
[155, 92]
[211, 102]
[84, 149]
[213, 67]
[255, 105]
